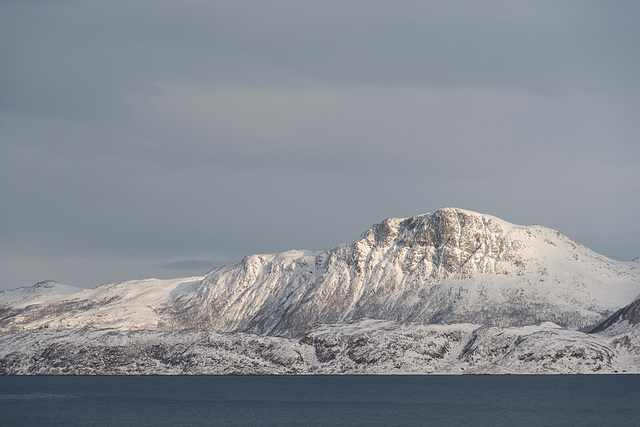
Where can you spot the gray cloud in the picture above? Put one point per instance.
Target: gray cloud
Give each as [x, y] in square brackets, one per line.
[136, 136]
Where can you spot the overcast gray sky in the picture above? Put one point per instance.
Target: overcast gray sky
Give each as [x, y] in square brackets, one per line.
[161, 139]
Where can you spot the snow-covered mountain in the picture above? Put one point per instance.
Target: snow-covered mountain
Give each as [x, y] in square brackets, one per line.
[453, 291]
[451, 266]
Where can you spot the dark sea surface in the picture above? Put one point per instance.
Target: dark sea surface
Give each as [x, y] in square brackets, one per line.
[594, 400]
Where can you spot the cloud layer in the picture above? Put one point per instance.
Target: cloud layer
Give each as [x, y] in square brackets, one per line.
[147, 138]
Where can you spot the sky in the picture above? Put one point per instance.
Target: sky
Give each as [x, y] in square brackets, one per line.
[162, 139]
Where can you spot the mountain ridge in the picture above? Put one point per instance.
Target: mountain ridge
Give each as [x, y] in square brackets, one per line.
[449, 266]
[400, 269]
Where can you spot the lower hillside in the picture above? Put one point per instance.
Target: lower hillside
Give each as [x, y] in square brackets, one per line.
[365, 347]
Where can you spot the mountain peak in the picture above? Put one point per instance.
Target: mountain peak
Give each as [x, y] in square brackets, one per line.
[444, 222]
[448, 237]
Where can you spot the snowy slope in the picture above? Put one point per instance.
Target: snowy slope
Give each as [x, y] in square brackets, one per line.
[623, 329]
[131, 305]
[451, 266]
[627, 318]
[622, 321]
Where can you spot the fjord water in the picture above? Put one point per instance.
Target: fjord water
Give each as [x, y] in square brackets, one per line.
[321, 400]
